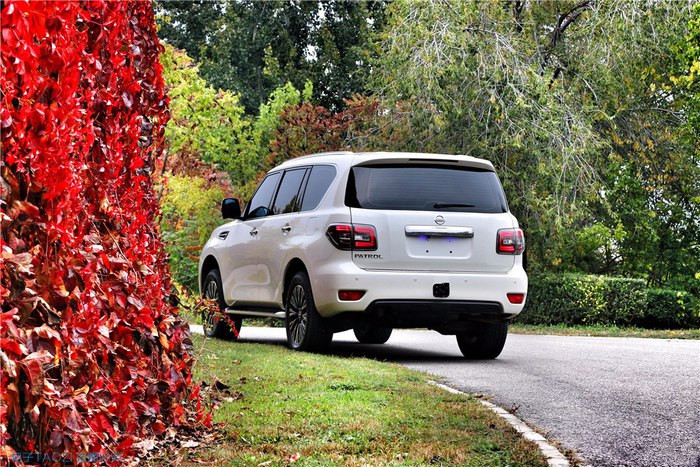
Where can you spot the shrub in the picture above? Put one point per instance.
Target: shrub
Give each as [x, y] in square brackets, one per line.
[190, 213]
[671, 309]
[575, 299]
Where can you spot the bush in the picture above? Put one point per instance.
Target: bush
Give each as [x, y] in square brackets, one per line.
[190, 213]
[671, 309]
[574, 299]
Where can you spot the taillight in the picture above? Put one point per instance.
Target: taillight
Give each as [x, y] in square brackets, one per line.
[340, 235]
[510, 242]
[352, 236]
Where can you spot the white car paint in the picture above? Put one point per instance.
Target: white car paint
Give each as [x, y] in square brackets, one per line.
[403, 267]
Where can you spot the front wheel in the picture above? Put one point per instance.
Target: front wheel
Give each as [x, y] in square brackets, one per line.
[484, 341]
[368, 334]
[213, 323]
[306, 329]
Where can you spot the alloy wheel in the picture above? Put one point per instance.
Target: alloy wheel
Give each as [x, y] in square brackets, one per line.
[210, 319]
[298, 312]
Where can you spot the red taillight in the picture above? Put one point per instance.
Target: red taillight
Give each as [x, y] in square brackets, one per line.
[510, 242]
[516, 298]
[350, 295]
[365, 237]
[340, 235]
[352, 236]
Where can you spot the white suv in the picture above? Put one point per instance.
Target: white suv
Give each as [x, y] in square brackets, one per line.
[371, 242]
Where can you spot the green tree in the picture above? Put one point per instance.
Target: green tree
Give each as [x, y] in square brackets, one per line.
[188, 23]
[251, 47]
[561, 97]
[269, 116]
[208, 123]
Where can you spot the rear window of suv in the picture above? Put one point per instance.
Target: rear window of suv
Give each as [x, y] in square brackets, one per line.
[425, 188]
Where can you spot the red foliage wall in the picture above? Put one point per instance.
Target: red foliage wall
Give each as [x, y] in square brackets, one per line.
[93, 357]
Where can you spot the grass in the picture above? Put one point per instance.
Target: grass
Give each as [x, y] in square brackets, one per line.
[343, 411]
[604, 331]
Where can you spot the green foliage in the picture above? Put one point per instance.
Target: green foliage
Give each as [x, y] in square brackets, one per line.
[685, 76]
[566, 99]
[668, 309]
[207, 122]
[253, 47]
[575, 299]
[190, 212]
[269, 117]
[187, 23]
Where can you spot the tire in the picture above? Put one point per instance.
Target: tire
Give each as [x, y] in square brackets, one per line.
[213, 326]
[368, 334]
[306, 329]
[484, 341]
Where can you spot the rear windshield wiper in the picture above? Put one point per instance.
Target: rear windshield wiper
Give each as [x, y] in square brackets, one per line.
[452, 205]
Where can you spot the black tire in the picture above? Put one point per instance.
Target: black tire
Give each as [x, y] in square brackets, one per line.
[306, 329]
[484, 341]
[211, 322]
[368, 334]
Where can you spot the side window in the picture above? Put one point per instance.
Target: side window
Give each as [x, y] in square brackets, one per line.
[259, 205]
[321, 178]
[287, 199]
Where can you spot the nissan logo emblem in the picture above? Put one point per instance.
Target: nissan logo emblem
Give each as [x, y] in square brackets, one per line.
[439, 220]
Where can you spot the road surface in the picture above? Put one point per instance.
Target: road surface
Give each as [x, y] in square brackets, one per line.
[615, 401]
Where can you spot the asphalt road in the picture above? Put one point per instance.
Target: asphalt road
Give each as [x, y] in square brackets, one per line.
[615, 401]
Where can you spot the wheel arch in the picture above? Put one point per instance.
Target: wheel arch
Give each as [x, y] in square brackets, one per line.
[209, 264]
[294, 266]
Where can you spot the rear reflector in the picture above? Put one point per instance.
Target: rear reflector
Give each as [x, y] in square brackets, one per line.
[516, 298]
[350, 295]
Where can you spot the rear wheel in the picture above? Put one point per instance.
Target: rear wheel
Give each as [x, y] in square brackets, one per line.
[306, 329]
[213, 323]
[368, 334]
[483, 341]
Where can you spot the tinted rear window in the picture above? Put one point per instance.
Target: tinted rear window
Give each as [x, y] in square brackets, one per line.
[425, 188]
[287, 199]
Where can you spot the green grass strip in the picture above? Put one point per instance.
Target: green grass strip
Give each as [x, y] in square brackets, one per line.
[325, 410]
[605, 331]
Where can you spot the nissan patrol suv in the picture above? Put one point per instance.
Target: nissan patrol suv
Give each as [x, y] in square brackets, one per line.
[370, 242]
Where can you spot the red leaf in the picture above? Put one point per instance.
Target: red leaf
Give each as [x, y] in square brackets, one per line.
[9, 345]
[85, 268]
[24, 207]
[32, 365]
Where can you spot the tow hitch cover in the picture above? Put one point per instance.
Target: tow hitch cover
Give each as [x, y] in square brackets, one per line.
[441, 290]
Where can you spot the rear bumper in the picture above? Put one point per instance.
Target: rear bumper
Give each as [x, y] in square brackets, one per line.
[446, 316]
[408, 296]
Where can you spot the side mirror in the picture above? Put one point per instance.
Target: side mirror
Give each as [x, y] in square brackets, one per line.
[230, 208]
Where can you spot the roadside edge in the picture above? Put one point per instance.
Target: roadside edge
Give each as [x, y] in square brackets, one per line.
[554, 457]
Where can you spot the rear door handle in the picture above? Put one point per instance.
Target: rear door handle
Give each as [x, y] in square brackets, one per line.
[253, 232]
[286, 229]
